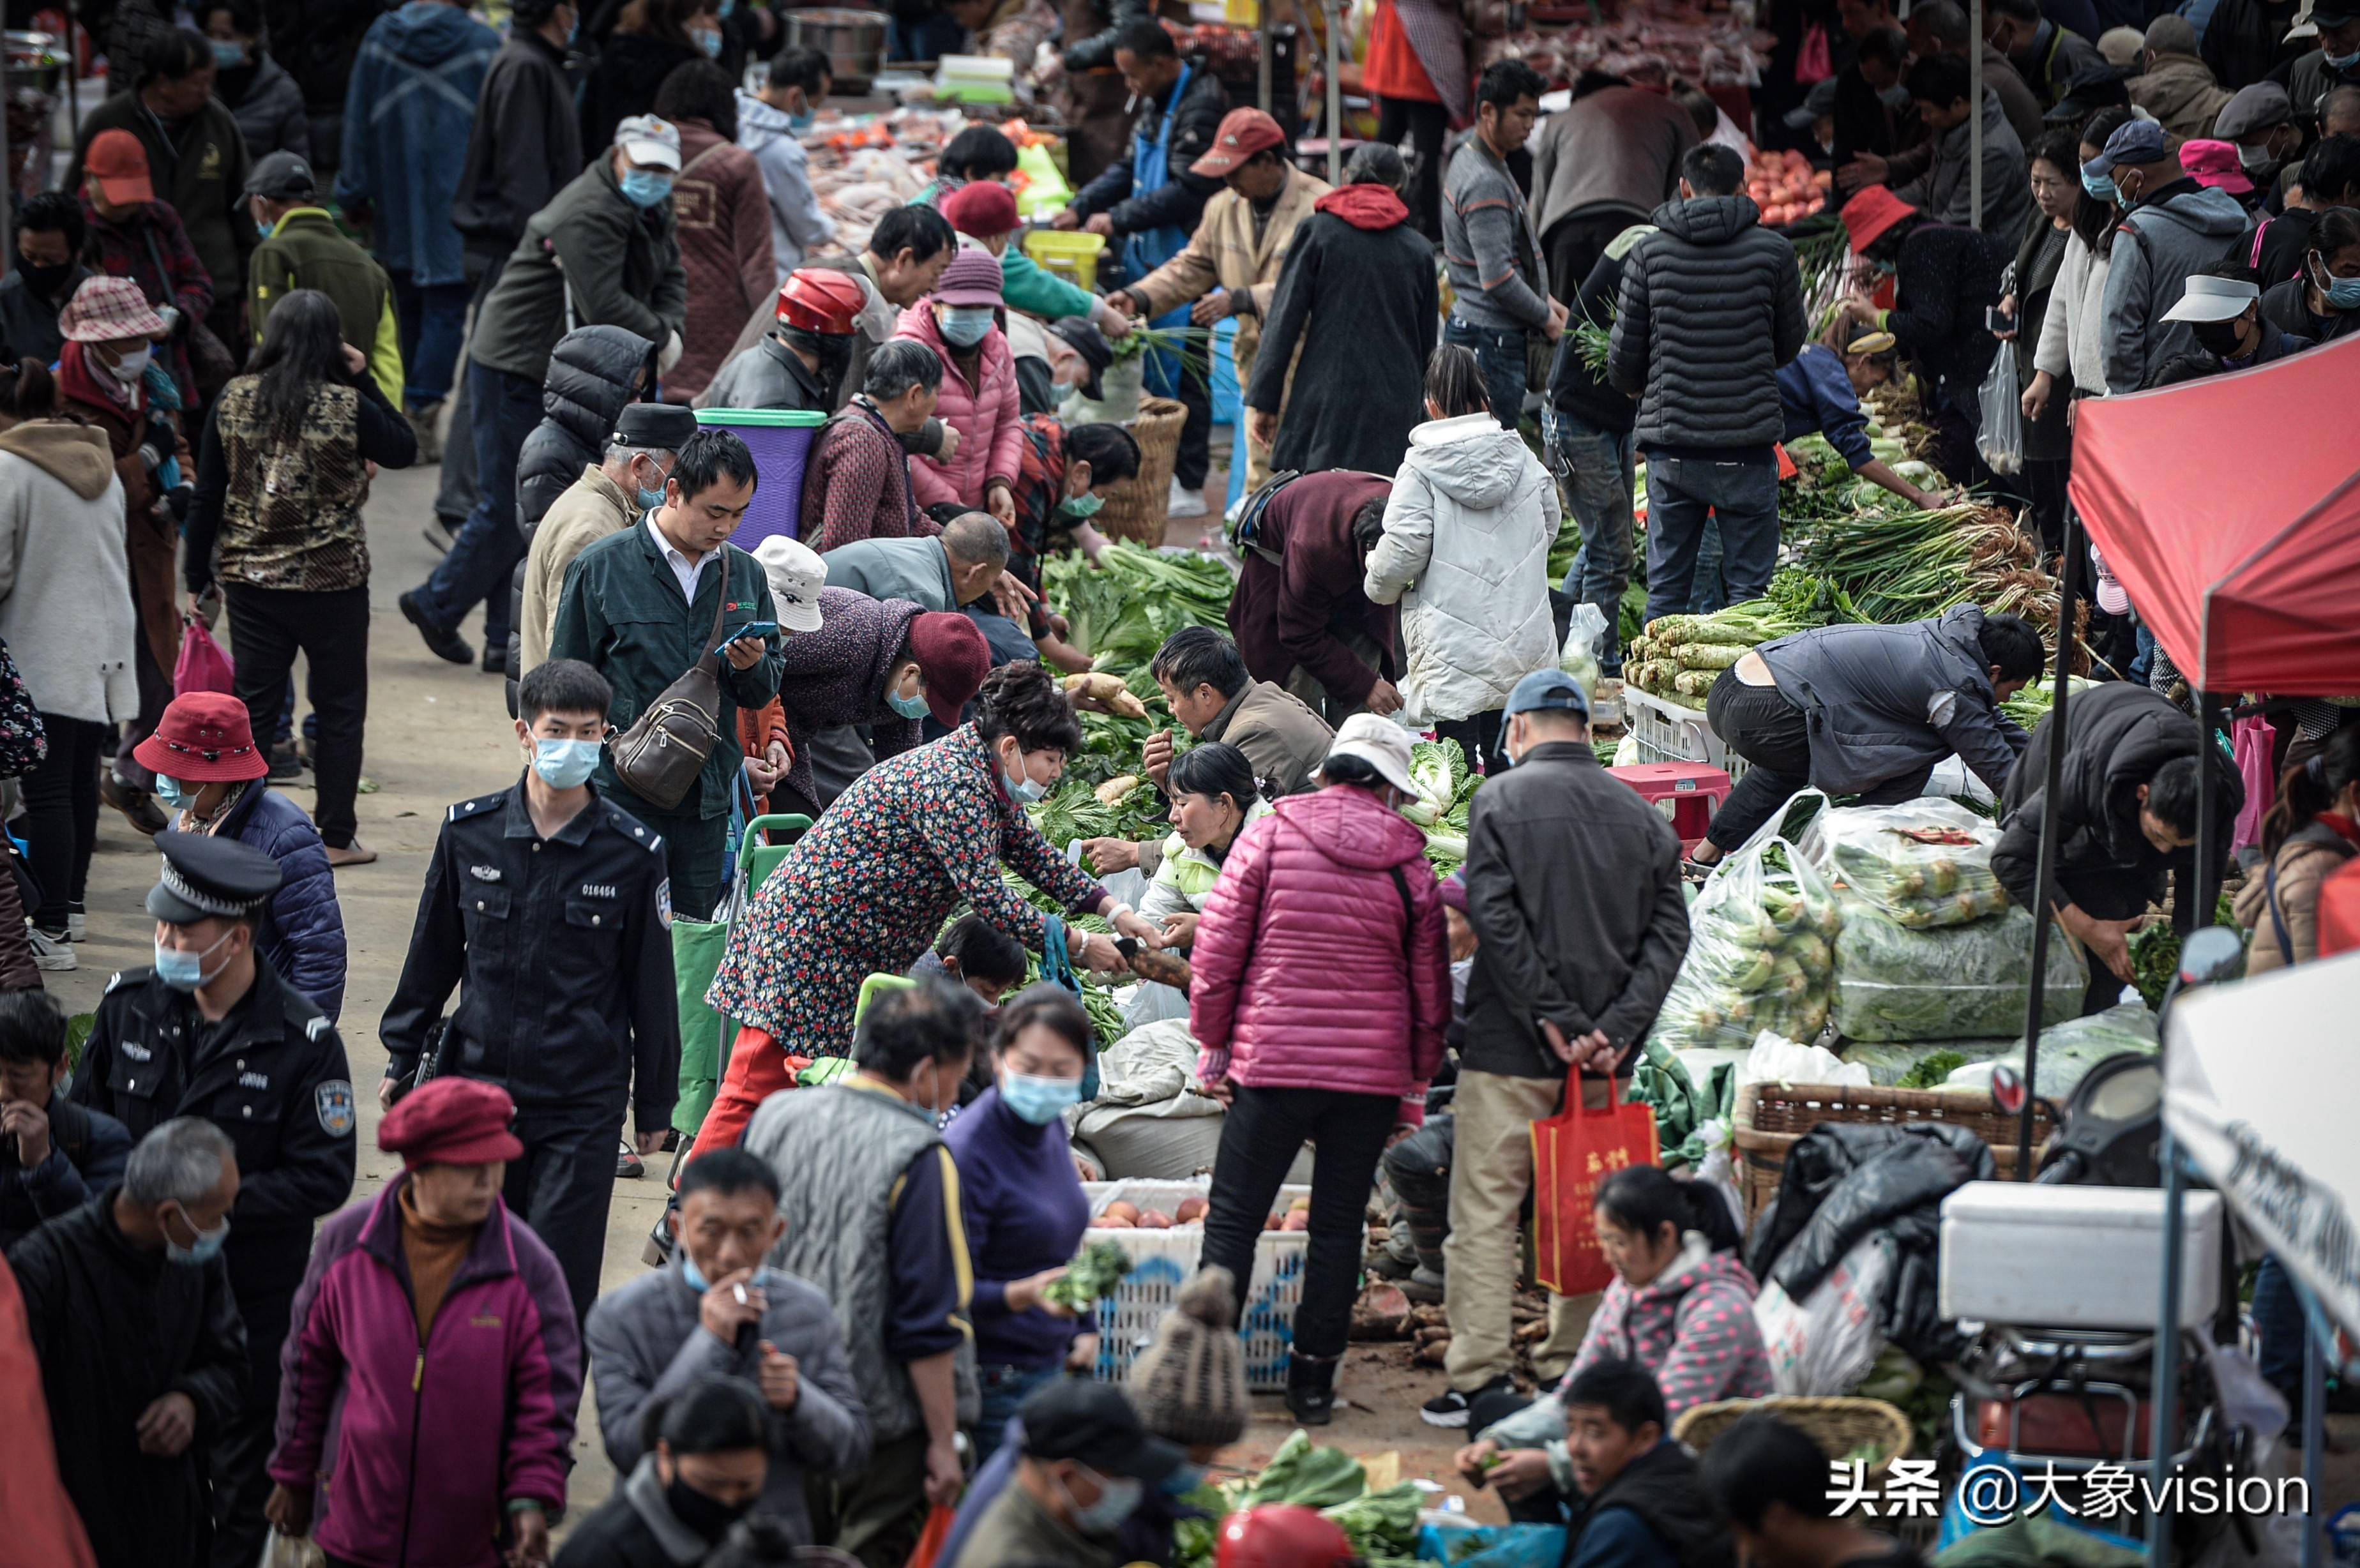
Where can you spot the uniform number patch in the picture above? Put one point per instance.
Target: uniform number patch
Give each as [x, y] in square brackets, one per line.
[334, 1100]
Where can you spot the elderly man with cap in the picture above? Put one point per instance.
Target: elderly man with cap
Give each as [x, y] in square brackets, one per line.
[2175, 227]
[2223, 307]
[611, 495]
[211, 1030]
[1087, 1464]
[1573, 889]
[2334, 63]
[550, 902]
[1230, 265]
[453, 1445]
[302, 248]
[798, 366]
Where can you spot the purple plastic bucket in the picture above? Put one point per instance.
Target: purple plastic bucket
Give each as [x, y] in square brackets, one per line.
[780, 441]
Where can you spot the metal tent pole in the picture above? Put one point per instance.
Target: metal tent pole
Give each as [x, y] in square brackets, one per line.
[1262, 78]
[2204, 882]
[2067, 582]
[1975, 161]
[1336, 9]
[2314, 1432]
[2163, 1430]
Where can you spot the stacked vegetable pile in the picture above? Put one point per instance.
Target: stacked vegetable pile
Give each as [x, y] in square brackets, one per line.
[1446, 793]
[1381, 1525]
[1825, 486]
[1761, 953]
[1121, 610]
[1894, 563]
[1922, 864]
[1785, 186]
[1680, 657]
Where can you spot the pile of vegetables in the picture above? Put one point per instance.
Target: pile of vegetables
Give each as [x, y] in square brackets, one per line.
[1898, 564]
[1760, 954]
[1785, 186]
[1680, 656]
[1094, 1274]
[1922, 864]
[1446, 793]
[1121, 610]
[1955, 982]
[1380, 1526]
[2069, 1049]
[2154, 950]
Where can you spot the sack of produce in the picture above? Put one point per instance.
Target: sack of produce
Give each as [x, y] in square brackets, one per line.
[1924, 863]
[1760, 949]
[1906, 1066]
[2068, 1050]
[1579, 658]
[1953, 982]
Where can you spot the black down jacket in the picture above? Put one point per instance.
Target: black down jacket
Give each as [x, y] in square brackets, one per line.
[1710, 306]
[1846, 1181]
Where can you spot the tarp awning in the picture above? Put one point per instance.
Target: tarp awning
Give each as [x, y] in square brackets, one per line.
[2229, 508]
[2257, 1092]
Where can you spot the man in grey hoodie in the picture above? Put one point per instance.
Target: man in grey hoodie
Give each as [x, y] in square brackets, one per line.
[2175, 228]
[1944, 193]
[1488, 243]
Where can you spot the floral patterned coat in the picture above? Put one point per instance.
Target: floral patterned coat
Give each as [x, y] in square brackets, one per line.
[867, 890]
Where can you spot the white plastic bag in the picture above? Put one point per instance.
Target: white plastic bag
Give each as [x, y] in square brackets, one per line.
[1826, 1343]
[1761, 948]
[1585, 633]
[290, 1552]
[2001, 437]
[1777, 1060]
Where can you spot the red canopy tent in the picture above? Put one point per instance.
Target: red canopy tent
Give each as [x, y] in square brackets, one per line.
[2229, 508]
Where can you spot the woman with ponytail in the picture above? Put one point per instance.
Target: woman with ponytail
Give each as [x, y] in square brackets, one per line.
[2311, 831]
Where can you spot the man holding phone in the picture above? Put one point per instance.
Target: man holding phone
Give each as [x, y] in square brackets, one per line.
[639, 607]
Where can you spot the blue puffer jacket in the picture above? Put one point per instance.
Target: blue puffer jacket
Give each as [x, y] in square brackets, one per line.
[302, 932]
[407, 116]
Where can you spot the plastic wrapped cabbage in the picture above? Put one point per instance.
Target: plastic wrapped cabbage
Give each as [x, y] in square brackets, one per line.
[1761, 951]
[2068, 1050]
[1924, 862]
[1952, 982]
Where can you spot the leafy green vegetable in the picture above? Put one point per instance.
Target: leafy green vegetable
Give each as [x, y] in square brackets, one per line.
[1196, 1541]
[1957, 982]
[1379, 1524]
[1930, 1073]
[1122, 609]
[1094, 1274]
[2154, 952]
[1305, 1473]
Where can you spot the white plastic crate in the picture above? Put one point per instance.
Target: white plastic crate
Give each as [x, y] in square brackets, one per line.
[1164, 1260]
[1673, 732]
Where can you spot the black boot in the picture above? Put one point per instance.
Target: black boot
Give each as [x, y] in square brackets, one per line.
[1311, 1387]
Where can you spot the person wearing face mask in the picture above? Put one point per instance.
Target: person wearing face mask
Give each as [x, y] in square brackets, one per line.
[964, 571]
[651, 39]
[717, 1311]
[435, 1434]
[771, 119]
[140, 1266]
[133, 235]
[50, 235]
[628, 482]
[2323, 304]
[212, 1029]
[1062, 482]
[798, 364]
[2334, 63]
[870, 1195]
[979, 397]
[856, 483]
[551, 903]
[2223, 307]
[983, 210]
[54, 1154]
[1021, 1205]
[268, 104]
[302, 248]
[725, 249]
[705, 1469]
[2172, 228]
[1089, 1463]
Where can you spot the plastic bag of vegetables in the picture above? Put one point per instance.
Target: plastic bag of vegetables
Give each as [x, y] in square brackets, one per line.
[1584, 630]
[1924, 863]
[1962, 982]
[2068, 1050]
[1761, 948]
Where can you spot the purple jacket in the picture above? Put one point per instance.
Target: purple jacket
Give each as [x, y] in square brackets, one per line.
[423, 1448]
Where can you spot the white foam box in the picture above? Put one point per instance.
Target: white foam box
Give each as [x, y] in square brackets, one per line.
[2073, 1257]
[1164, 1260]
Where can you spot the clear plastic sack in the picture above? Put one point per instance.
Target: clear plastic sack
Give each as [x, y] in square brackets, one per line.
[1585, 633]
[1924, 863]
[2000, 437]
[1955, 982]
[1761, 948]
[2068, 1050]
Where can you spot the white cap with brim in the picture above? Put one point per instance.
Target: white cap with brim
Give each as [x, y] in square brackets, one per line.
[796, 575]
[2210, 299]
[1381, 743]
[647, 140]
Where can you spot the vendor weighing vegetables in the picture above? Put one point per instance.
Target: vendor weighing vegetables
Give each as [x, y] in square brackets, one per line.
[1865, 711]
[1819, 391]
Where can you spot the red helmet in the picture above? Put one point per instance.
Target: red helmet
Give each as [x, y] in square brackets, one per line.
[820, 300]
[1282, 1535]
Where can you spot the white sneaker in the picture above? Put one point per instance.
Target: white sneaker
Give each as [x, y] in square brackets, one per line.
[77, 926]
[49, 952]
[1181, 502]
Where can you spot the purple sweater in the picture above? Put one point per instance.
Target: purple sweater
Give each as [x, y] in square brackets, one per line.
[1025, 1211]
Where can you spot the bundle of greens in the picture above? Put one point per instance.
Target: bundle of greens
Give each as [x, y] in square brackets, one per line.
[1903, 1066]
[1122, 609]
[1898, 564]
[2068, 1050]
[1380, 1525]
[1077, 809]
[1193, 347]
[2155, 949]
[1680, 657]
[1094, 1274]
[1306, 1474]
[1955, 982]
[1761, 953]
[1922, 863]
[1446, 793]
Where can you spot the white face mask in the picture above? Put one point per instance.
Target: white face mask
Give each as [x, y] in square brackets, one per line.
[133, 365]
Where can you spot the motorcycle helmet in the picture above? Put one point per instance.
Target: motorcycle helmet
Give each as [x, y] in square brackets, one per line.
[819, 301]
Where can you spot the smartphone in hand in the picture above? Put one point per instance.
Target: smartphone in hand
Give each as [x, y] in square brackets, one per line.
[751, 628]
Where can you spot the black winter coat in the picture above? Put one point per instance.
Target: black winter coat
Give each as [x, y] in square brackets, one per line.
[2121, 735]
[116, 1330]
[1362, 306]
[1711, 308]
[630, 67]
[1945, 278]
[1180, 200]
[2245, 40]
[526, 145]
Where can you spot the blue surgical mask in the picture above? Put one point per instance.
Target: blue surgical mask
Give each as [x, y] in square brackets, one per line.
[169, 790]
[1118, 1497]
[802, 123]
[1081, 508]
[2102, 186]
[265, 230]
[1039, 1100]
[644, 188]
[726, 7]
[2343, 293]
[2344, 62]
[650, 499]
[963, 325]
[202, 1251]
[185, 971]
[1183, 1481]
[1021, 788]
[564, 764]
[711, 44]
[228, 55]
[908, 707]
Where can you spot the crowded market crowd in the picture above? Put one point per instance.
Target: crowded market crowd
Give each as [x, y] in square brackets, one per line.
[563, 258]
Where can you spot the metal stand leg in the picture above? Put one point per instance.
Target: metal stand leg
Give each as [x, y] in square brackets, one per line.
[2314, 1440]
[2164, 1434]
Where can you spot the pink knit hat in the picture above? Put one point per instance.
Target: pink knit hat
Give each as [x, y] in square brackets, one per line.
[971, 279]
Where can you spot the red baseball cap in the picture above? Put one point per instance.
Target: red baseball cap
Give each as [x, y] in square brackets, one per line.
[119, 164]
[2214, 164]
[981, 208]
[451, 1121]
[1868, 214]
[954, 658]
[203, 739]
[1243, 133]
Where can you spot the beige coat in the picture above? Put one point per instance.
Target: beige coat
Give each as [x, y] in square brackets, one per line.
[1222, 252]
[2304, 861]
[2182, 94]
[592, 507]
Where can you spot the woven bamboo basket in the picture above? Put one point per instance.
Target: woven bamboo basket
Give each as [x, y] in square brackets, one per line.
[1770, 1118]
[1134, 507]
[1839, 1426]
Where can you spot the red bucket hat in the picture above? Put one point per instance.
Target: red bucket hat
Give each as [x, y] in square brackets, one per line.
[204, 739]
[954, 658]
[1867, 215]
[451, 1121]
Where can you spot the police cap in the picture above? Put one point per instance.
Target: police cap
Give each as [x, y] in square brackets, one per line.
[206, 879]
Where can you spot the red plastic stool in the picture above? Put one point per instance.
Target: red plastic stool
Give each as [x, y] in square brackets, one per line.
[1687, 793]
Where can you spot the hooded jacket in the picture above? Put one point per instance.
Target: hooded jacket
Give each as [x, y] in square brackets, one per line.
[524, 145]
[270, 111]
[65, 579]
[590, 258]
[2183, 229]
[797, 227]
[986, 412]
[303, 931]
[1691, 1325]
[2180, 92]
[588, 386]
[1465, 552]
[411, 106]
[1321, 960]
[2279, 903]
[1711, 306]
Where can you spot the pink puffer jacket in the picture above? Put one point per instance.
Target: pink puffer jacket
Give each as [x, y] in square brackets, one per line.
[1307, 973]
[991, 437]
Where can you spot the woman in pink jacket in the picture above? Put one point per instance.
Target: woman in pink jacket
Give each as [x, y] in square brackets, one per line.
[979, 397]
[1321, 986]
[433, 1333]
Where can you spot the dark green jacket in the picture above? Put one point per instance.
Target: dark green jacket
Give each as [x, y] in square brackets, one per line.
[622, 262]
[621, 612]
[306, 251]
[202, 172]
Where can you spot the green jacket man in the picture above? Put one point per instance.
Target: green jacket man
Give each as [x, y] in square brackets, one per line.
[302, 248]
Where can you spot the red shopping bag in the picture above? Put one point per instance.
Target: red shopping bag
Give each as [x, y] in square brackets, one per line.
[932, 1539]
[203, 666]
[1573, 1152]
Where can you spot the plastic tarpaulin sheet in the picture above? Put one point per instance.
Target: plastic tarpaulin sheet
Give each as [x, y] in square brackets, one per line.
[2247, 1077]
[2250, 579]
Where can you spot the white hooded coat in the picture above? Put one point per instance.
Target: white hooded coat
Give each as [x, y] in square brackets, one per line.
[1465, 552]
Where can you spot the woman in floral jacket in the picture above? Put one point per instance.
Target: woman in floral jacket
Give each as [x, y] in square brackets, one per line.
[868, 889]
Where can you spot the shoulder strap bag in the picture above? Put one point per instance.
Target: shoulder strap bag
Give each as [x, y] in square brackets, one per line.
[660, 756]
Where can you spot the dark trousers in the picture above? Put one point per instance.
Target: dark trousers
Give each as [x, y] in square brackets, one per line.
[155, 696]
[1194, 458]
[267, 626]
[61, 816]
[2279, 1319]
[431, 319]
[1741, 492]
[1264, 1129]
[1770, 734]
[456, 496]
[2044, 479]
[240, 1483]
[1572, 247]
[562, 1185]
[1500, 356]
[1548, 1506]
[483, 555]
[876, 1515]
[1478, 740]
[1424, 123]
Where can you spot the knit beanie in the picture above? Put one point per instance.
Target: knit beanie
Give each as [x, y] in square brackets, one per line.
[1190, 1384]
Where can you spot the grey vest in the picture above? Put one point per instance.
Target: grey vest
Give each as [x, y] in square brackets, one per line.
[838, 1153]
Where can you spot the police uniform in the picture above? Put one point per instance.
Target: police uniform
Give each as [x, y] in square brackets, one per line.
[272, 1074]
[561, 949]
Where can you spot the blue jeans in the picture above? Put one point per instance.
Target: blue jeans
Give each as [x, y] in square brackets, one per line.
[2279, 1319]
[1005, 1389]
[1709, 593]
[1597, 485]
[432, 319]
[1500, 356]
[485, 553]
[1743, 492]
